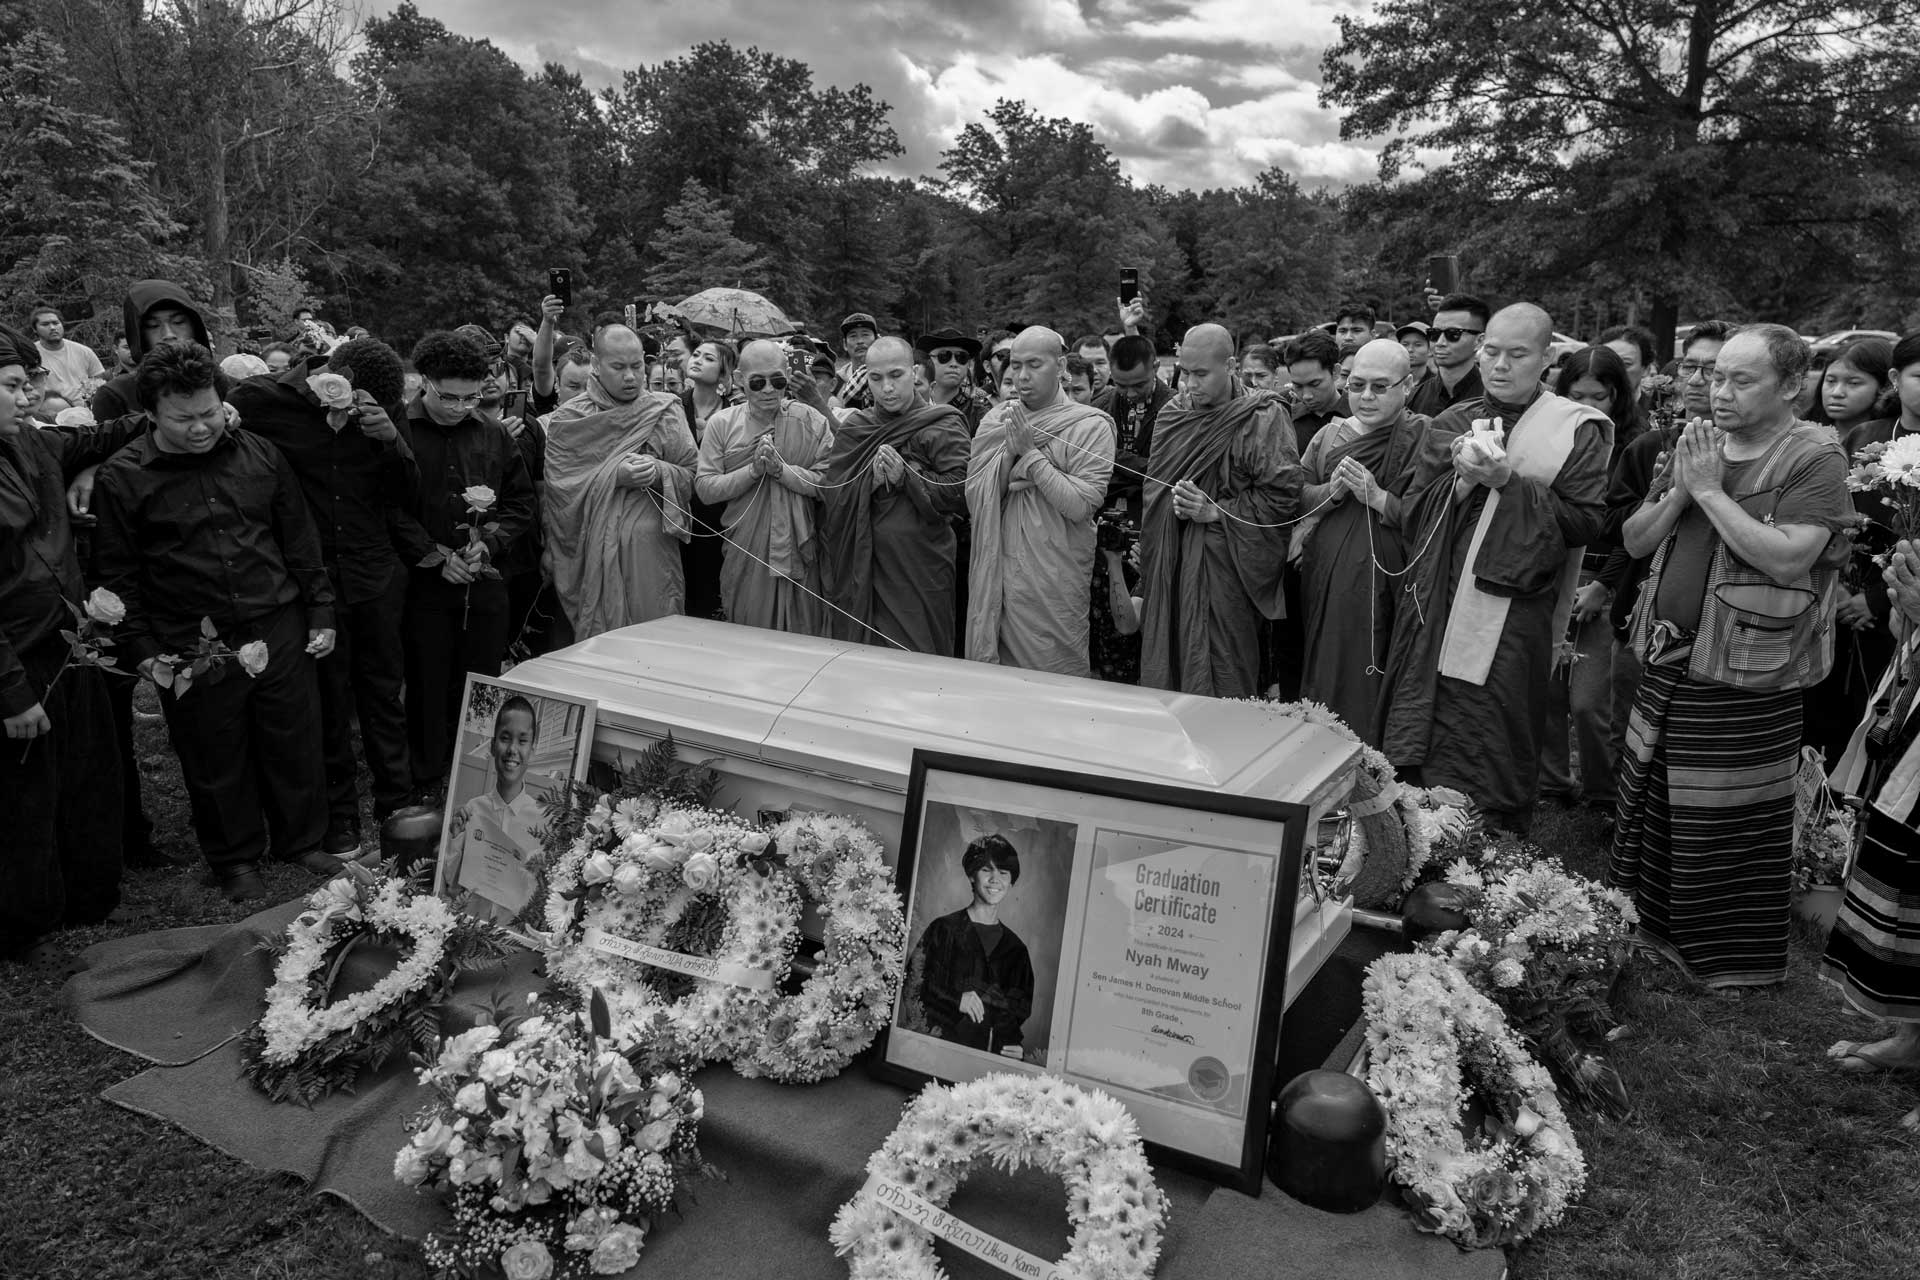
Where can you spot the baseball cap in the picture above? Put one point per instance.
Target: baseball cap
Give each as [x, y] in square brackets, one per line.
[1420, 327]
[859, 320]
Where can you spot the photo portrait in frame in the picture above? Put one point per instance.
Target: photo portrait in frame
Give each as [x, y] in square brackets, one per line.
[1126, 936]
[514, 749]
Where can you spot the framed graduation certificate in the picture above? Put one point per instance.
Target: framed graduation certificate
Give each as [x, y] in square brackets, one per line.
[1126, 936]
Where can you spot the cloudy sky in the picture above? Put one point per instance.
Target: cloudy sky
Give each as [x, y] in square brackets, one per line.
[1189, 93]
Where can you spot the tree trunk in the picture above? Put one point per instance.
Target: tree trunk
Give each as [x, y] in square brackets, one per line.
[219, 269]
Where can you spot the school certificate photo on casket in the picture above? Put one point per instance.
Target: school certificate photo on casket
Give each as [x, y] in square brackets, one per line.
[1127, 936]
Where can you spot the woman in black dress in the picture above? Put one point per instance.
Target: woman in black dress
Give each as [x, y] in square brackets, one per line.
[973, 976]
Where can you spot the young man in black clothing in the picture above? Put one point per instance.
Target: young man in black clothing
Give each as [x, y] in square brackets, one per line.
[1458, 324]
[355, 471]
[202, 524]
[457, 618]
[60, 846]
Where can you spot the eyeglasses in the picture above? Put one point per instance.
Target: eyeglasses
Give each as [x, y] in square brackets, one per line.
[458, 402]
[946, 355]
[1454, 335]
[1691, 369]
[1363, 390]
[761, 381]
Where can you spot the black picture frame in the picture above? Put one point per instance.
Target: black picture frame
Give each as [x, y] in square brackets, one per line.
[1243, 1170]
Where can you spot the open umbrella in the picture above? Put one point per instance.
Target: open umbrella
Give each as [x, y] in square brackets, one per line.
[734, 312]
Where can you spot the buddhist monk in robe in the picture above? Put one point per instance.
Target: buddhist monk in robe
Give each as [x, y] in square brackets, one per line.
[1348, 547]
[1223, 478]
[619, 488]
[896, 475]
[765, 458]
[1494, 545]
[1036, 478]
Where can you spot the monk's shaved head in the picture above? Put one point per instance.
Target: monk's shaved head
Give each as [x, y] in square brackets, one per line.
[1038, 366]
[892, 351]
[1039, 341]
[620, 362]
[617, 342]
[1526, 321]
[763, 356]
[1381, 358]
[1209, 341]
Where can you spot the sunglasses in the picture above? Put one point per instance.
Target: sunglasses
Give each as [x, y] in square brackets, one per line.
[947, 355]
[761, 381]
[1454, 335]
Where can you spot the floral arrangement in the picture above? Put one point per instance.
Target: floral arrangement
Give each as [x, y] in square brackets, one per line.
[304, 1048]
[838, 866]
[479, 499]
[1545, 945]
[1083, 1135]
[557, 1154]
[684, 881]
[1824, 833]
[1892, 470]
[210, 655]
[1435, 1045]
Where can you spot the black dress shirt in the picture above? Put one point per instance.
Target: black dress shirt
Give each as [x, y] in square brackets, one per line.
[352, 482]
[452, 460]
[223, 535]
[39, 573]
[1432, 398]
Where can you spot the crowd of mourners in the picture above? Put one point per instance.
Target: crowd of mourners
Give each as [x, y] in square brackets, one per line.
[1526, 570]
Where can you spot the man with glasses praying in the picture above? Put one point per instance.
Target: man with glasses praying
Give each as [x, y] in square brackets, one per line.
[1508, 490]
[1458, 324]
[619, 495]
[457, 617]
[1349, 547]
[765, 458]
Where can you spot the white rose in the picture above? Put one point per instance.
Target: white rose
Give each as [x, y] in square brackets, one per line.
[411, 1166]
[472, 1098]
[597, 870]
[477, 497]
[106, 608]
[754, 842]
[628, 878]
[701, 873]
[332, 389]
[253, 657]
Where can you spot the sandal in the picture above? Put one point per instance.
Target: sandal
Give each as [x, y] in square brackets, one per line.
[1857, 1057]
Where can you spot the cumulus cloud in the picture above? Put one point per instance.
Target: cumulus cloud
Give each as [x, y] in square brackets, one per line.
[1196, 93]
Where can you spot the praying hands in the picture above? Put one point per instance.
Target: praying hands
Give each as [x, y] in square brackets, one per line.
[1191, 503]
[1350, 477]
[889, 468]
[637, 471]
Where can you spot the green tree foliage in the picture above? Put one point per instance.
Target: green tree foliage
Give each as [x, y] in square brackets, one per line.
[696, 249]
[79, 220]
[461, 224]
[1738, 156]
[1059, 217]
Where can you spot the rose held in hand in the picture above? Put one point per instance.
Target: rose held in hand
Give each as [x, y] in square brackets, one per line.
[253, 657]
[106, 608]
[332, 390]
[478, 497]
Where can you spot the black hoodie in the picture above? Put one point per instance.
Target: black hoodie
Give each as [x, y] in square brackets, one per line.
[117, 397]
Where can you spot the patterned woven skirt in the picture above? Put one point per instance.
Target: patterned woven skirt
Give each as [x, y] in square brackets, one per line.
[1873, 953]
[1704, 837]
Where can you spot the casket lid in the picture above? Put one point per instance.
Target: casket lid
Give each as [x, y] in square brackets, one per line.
[858, 712]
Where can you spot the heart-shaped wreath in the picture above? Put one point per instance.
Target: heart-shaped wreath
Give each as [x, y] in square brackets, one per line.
[1083, 1135]
[304, 1048]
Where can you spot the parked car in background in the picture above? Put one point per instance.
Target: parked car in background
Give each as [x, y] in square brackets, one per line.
[1827, 344]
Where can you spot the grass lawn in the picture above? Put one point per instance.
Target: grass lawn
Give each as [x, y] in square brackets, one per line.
[1747, 1157]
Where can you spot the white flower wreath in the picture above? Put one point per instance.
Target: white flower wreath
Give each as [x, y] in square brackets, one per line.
[1433, 1039]
[838, 865]
[633, 874]
[293, 1022]
[1083, 1135]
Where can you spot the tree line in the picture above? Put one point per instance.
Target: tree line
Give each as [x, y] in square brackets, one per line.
[1643, 159]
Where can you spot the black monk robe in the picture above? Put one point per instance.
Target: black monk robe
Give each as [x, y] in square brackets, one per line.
[887, 555]
[1207, 586]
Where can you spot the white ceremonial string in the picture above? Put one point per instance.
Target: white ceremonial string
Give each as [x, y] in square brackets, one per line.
[722, 534]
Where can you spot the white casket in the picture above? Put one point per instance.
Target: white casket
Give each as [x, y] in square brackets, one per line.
[793, 722]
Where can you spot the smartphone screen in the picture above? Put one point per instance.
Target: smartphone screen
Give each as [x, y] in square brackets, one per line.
[560, 283]
[1129, 284]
